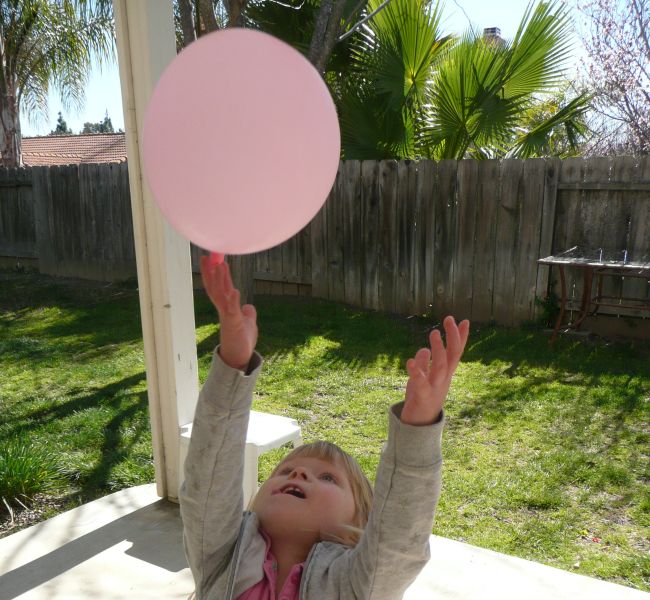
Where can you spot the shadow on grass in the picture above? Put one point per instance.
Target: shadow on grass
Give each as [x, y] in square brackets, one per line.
[95, 315]
[522, 362]
[287, 324]
[127, 410]
[526, 366]
[114, 449]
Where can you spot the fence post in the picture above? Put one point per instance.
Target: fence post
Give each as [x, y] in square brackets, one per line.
[551, 178]
[242, 267]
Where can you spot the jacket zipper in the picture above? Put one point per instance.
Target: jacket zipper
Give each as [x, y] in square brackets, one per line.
[301, 593]
[235, 560]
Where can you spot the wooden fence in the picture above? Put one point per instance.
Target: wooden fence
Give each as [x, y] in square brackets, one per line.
[75, 219]
[17, 220]
[406, 237]
[464, 236]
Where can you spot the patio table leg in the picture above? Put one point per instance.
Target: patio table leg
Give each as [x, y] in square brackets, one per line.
[562, 304]
[599, 293]
[587, 284]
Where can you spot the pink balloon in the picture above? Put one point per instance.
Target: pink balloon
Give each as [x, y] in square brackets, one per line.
[241, 142]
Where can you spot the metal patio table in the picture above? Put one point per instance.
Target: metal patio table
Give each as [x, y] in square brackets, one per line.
[597, 263]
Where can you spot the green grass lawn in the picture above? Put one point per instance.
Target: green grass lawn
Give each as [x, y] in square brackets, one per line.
[546, 449]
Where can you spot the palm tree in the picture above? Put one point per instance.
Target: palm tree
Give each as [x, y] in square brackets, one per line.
[46, 43]
[382, 98]
[415, 93]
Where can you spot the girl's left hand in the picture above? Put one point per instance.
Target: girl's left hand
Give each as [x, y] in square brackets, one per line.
[430, 374]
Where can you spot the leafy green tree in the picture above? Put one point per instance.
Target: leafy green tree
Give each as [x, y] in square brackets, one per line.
[383, 95]
[414, 92]
[105, 126]
[556, 137]
[44, 44]
[61, 127]
[315, 27]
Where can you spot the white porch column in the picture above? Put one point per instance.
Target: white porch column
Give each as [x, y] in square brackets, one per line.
[146, 45]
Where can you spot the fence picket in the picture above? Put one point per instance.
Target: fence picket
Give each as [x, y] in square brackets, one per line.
[370, 233]
[567, 229]
[404, 229]
[319, 224]
[528, 239]
[551, 177]
[488, 187]
[425, 230]
[446, 215]
[334, 237]
[508, 215]
[351, 231]
[388, 178]
[464, 249]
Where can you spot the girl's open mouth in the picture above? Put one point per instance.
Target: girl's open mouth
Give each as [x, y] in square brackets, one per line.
[293, 490]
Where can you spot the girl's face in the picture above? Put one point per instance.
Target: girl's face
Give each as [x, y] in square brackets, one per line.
[308, 497]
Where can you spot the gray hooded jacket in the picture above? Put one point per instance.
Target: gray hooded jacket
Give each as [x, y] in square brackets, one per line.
[223, 545]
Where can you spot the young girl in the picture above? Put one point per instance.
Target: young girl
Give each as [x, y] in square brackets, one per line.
[315, 532]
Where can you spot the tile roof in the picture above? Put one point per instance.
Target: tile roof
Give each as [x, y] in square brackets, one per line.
[73, 149]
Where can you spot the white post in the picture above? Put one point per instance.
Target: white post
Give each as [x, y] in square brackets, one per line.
[146, 45]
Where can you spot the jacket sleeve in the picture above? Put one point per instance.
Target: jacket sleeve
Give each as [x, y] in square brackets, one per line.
[211, 496]
[395, 544]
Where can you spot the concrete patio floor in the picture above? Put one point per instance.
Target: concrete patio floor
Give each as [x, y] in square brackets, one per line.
[128, 545]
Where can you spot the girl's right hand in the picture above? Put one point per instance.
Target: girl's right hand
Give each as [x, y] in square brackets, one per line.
[238, 331]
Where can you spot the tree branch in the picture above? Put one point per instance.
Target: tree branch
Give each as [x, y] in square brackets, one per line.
[350, 31]
[642, 31]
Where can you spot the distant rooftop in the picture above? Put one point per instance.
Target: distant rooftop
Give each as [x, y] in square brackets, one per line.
[74, 149]
[492, 31]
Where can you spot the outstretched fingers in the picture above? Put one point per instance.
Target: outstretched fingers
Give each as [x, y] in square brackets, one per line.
[209, 276]
[422, 358]
[456, 340]
[438, 370]
[417, 374]
[226, 280]
[445, 359]
[217, 282]
[249, 311]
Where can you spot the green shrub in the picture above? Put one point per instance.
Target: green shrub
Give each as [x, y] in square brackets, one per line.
[550, 309]
[26, 470]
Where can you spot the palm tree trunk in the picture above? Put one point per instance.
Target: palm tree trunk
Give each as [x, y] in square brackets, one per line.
[205, 17]
[235, 10]
[320, 28]
[326, 32]
[10, 138]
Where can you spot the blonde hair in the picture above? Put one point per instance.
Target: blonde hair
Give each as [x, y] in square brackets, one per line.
[361, 488]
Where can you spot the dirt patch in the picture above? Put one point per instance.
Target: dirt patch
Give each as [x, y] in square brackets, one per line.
[42, 507]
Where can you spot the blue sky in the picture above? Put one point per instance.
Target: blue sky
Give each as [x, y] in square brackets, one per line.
[103, 91]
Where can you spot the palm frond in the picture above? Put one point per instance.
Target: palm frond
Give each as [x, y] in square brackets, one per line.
[467, 106]
[538, 140]
[53, 45]
[537, 55]
[393, 60]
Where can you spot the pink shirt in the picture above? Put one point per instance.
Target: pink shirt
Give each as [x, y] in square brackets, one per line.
[265, 589]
